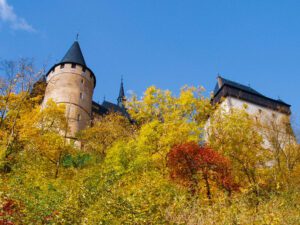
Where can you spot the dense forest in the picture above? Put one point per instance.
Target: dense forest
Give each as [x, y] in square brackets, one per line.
[169, 166]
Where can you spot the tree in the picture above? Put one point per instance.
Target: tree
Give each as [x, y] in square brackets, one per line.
[19, 77]
[236, 135]
[165, 120]
[156, 104]
[105, 131]
[189, 163]
[15, 87]
[43, 132]
[283, 147]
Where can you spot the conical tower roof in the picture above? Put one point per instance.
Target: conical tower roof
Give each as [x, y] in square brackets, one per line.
[74, 55]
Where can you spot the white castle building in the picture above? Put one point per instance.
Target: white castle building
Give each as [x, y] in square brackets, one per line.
[234, 95]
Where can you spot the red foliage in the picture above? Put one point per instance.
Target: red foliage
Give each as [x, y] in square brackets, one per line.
[189, 162]
[6, 222]
[7, 210]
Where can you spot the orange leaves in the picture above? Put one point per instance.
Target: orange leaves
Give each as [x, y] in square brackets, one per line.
[189, 163]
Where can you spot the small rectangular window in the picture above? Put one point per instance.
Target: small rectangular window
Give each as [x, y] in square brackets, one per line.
[83, 69]
[81, 95]
[91, 76]
[73, 65]
[82, 81]
[62, 66]
[78, 117]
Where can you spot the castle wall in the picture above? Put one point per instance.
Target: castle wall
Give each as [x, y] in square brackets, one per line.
[263, 113]
[74, 88]
[270, 119]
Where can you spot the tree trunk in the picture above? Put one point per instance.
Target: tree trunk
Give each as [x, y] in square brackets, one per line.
[208, 192]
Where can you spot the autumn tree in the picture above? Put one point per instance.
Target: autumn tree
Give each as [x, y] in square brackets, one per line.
[190, 163]
[43, 132]
[165, 119]
[235, 134]
[282, 144]
[104, 132]
[17, 78]
[163, 106]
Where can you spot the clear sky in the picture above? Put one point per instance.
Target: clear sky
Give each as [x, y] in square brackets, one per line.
[167, 43]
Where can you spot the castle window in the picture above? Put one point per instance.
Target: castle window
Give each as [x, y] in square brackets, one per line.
[83, 69]
[81, 95]
[62, 66]
[73, 65]
[91, 76]
[78, 117]
[82, 81]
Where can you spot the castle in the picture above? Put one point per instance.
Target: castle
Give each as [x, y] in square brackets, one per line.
[72, 82]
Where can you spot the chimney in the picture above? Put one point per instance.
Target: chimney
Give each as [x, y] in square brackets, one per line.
[219, 79]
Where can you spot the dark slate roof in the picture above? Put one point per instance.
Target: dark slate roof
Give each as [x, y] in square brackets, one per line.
[226, 88]
[236, 85]
[121, 92]
[111, 106]
[115, 108]
[99, 109]
[121, 97]
[74, 55]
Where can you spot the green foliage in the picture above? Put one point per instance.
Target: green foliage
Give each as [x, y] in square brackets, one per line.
[76, 161]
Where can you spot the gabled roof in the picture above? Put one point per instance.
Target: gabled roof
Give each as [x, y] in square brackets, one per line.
[222, 81]
[225, 88]
[74, 55]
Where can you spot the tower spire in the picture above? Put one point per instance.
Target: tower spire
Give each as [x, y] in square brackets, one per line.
[74, 55]
[121, 97]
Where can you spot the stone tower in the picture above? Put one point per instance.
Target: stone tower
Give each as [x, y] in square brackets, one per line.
[72, 83]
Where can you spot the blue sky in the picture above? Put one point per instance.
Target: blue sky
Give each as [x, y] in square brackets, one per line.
[167, 43]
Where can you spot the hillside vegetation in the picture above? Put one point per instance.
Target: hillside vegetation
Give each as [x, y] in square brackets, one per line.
[168, 167]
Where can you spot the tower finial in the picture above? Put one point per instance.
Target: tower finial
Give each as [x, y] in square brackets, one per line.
[77, 36]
